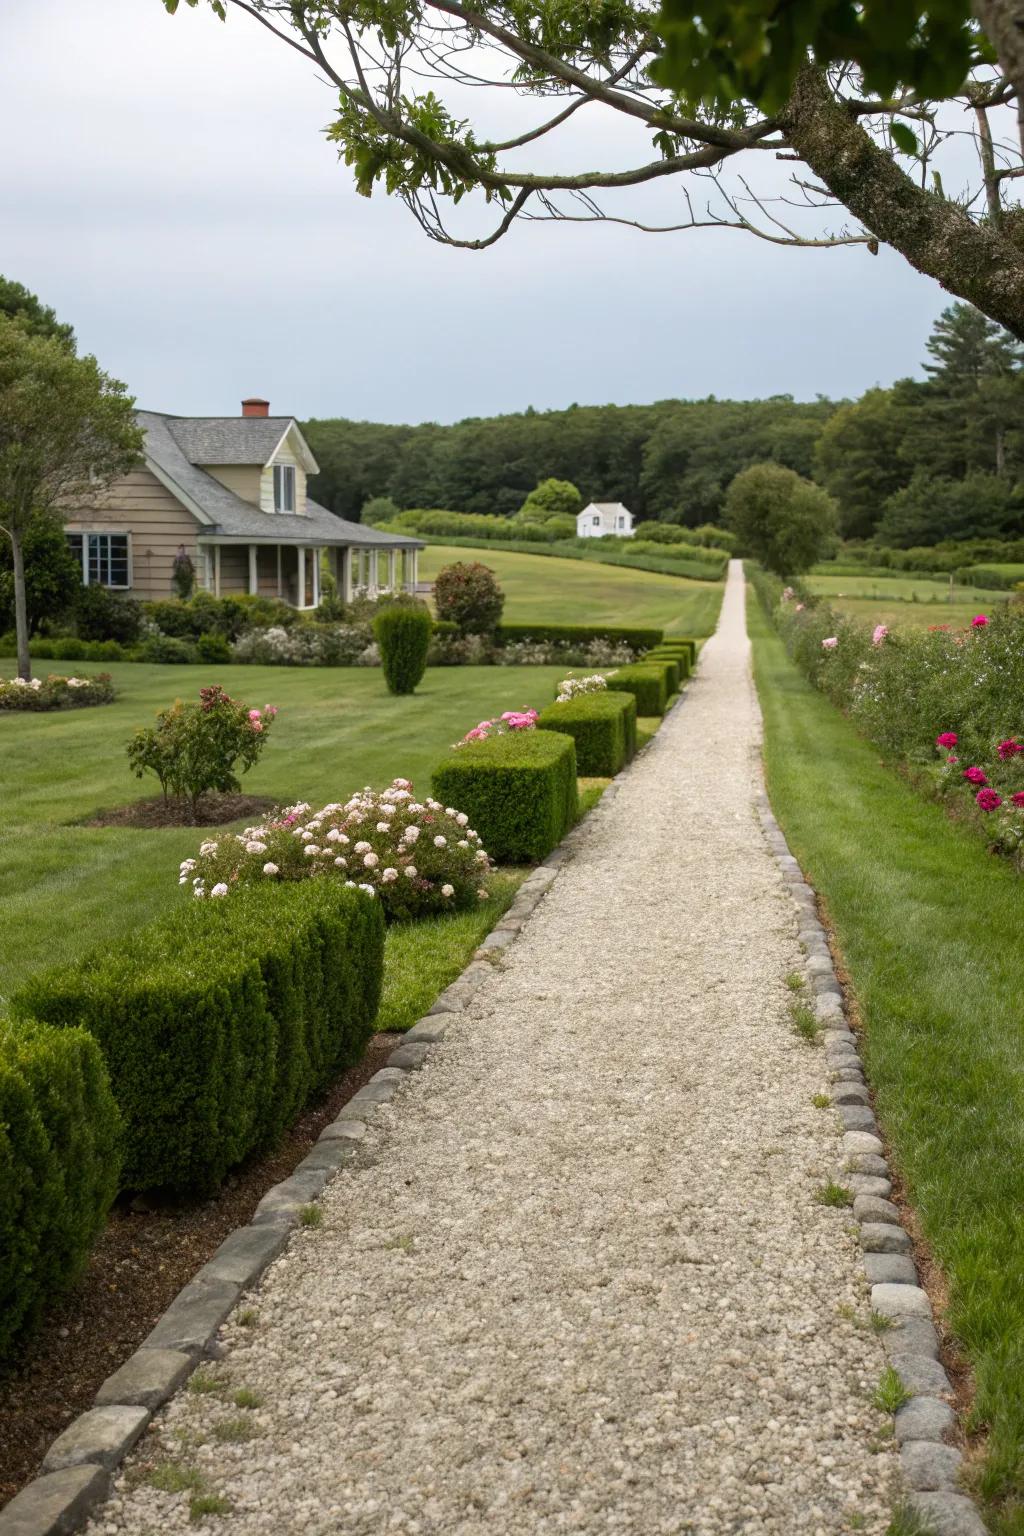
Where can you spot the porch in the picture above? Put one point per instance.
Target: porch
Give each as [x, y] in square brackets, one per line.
[292, 572]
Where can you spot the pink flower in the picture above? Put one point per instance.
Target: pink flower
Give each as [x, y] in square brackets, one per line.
[881, 630]
[831, 643]
[979, 621]
[254, 714]
[257, 725]
[975, 776]
[947, 739]
[1009, 748]
[1018, 798]
[987, 800]
[799, 608]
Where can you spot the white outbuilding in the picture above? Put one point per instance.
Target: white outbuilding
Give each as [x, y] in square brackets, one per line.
[602, 518]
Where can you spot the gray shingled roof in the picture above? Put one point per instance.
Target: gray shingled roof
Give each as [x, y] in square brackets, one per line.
[225, 515]
[228, 439]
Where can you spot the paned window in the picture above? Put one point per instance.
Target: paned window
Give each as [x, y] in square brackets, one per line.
[103, 558]
[284, 487]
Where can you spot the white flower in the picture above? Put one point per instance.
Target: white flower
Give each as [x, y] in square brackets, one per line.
[307, 837]
[411, 871]
[387, 810]
[440, 842]
[255, 847]
[350, 885]
[462, 819]
[415, 808]
[340, 862]
[435, 805]
[449, 810]
[186, 865]
[219, 890]
[389, 875]
[370, 860]
[334, 835]
[368, 889]
[198, 880]
[482, 895]
[310, 849]
[382, 826]
[198, 891]
[481, 857]
[462, 843]
[207, 850]
[362, 848]
[411, 834]
[447, 890]
[271, 869]
[402, 783]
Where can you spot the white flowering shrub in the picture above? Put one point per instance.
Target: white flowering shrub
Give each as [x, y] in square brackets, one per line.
[536, 653]
[55, 692]
[307, 645]
[419, 857]
[576, 687]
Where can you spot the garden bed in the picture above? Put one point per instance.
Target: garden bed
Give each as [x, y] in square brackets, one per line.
[213, 810]
[137, 1267]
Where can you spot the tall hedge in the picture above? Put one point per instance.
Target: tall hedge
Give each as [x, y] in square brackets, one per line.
[60, 1159]
[220, 1022]
[603, 726]
[402, 631]
[519, 791]
[648, 685]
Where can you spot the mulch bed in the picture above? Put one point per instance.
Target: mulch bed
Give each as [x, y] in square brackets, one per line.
[213, 810]
[137, 1267]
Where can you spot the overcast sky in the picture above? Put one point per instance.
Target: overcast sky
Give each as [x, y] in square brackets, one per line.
[166, 186]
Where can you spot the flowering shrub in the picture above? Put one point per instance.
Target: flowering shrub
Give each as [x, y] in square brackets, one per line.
[468, 595]
[511, 720]
[566, 653]
[1006, 766]
[195, 748]
[419, 858]
[576, 687]
[308, 645]
[55, 692]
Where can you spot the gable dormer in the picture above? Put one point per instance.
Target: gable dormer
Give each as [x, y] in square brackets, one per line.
[283, 477]
[263, 459]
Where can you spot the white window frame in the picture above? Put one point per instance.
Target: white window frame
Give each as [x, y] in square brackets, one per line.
[85, 534]
[596, 521]
[284, 475]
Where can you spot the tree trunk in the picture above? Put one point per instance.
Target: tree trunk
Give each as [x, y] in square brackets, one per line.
[936, 236]
[1003, 23]
[20, 607]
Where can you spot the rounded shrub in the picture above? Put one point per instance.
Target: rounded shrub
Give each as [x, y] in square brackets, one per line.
[402, 630]
[213, 647]
[469, 595]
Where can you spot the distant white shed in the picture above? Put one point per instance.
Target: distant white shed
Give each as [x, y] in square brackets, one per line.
[602, 518]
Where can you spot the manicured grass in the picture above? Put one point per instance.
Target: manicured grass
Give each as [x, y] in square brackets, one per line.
[547, 590]
[930, 930]
[901, 588]
[66, 887]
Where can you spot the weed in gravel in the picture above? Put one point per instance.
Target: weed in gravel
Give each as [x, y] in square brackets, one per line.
[833, 1194]
[905, 1522]
[174, 1477]
[805, 1022]
[405, 1242]
[247, 1318]
[203, 1382]
[821, 1100]
[847, 1312]
[235, 1431]
[207, 1504]
[890, 1394]
[311, 1216]
[245, 1397]
[795, 982]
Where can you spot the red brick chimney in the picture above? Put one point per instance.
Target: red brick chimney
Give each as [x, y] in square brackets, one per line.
[254, 406]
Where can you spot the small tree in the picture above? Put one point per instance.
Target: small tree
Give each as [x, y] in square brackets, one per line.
[402, 631]
[469, 595]
[195, 748]
[551, 498]
[53, 577]
[780, 518]
[66, 429]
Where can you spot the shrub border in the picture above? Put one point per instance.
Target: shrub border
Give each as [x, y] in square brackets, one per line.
[929, 1464]
[78, 1469]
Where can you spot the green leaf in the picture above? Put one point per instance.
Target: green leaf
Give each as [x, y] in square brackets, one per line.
[905, 139]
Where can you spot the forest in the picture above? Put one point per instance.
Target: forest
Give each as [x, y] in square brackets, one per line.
[929, 459]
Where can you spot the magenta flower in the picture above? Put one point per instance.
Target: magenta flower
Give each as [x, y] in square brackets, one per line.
[987, 800]
[1009, 748]
[1018, 798]
[947, 739]
[979, 621]
[975, 776]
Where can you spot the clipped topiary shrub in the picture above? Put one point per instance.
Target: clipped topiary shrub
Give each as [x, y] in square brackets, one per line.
[603, 726]
[680, 659]
[218, 1023]
[402, 630]
[60, 1158]
[518, 790]
[673, 670]
[648, 685]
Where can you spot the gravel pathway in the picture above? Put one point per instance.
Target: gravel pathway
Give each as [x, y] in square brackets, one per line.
[586, 1286]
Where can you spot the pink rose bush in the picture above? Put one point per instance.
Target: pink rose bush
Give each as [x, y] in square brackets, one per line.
[55, 692]
[511, 720]
[418, 857]
[879, 634]
[1006, 797]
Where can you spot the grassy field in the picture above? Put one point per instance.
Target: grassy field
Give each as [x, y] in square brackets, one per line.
[929, 928]
[65, 887]
[553, 591]
[897, 600]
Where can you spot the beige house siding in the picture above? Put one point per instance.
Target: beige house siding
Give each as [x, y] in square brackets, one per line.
[156, 522]
[243, 479]
[234, 569]
[286, 454]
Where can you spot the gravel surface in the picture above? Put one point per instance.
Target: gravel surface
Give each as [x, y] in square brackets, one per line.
[586, 1286]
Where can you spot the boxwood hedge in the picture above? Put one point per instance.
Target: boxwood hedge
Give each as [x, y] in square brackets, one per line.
[220, 1022]
[603, 726]
[680, 660]
[647, 684]
[60, 1157]
[518, 790]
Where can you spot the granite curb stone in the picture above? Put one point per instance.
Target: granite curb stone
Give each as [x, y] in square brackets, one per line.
[55, 1503]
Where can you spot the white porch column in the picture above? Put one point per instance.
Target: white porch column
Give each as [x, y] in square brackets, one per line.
[316, 578]
[301, 593]
[345, 557]
[392, 586]
[254, 582]
[372, 583]
[280, 587]
[415, 569]
[216, 570]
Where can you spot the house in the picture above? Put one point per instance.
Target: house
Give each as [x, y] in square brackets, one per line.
[602, 518]
[231, 492]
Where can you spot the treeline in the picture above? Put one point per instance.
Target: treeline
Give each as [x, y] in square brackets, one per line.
[928, 460]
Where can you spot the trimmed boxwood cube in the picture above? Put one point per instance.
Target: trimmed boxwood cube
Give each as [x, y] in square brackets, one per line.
[60, 1157]
[648, 685]
[603, 726]
[671, 665]
[519, 791]
[219, 1022]
[680, 659]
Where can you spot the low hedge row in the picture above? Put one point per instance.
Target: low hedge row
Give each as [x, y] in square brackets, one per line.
[648, 685]
[680, 645]
[679, 659]
[518, 790]
[639, 639]
[603, 726]
[220, 1022]
[60, 1157]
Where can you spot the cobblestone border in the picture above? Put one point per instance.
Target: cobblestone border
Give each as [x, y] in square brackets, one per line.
[78, 1468]
[924, 1425]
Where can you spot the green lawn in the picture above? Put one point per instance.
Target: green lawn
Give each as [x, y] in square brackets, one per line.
[553, 591]
[64, 887]
[929, 926]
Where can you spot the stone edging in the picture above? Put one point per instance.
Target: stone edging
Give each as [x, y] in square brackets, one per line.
[78, 1468]
[929, 1464]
